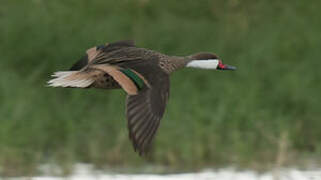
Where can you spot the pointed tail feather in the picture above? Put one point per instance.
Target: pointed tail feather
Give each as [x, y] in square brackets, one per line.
[70, 79]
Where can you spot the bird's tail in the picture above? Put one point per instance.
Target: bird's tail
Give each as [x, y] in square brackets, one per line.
[77, 79]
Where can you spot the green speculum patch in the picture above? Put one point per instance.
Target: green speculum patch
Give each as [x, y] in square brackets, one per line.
[134, 77]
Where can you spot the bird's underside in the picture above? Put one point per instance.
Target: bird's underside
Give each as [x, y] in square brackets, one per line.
[136, 70]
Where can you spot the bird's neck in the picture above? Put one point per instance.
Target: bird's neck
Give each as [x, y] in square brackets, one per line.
[174, 63]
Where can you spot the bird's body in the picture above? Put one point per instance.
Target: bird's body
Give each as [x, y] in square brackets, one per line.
[142, 73]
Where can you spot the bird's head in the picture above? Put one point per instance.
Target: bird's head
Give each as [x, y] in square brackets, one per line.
[207, 61]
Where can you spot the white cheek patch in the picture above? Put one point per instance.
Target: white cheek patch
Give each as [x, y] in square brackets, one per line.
[204, 64]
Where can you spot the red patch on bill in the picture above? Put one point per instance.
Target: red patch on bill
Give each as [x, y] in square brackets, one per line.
[221, 65]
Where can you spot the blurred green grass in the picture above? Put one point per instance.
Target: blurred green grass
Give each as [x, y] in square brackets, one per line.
[212, 119]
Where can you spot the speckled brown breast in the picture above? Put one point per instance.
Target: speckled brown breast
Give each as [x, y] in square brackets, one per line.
[105, 82]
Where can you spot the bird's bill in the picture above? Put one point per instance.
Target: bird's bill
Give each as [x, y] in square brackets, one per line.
[228, 67]
[222, 66]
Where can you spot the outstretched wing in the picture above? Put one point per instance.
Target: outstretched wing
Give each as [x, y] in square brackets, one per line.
[99, 52]
[145, 110]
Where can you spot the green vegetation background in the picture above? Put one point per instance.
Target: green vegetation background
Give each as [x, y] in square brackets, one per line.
[265, 113]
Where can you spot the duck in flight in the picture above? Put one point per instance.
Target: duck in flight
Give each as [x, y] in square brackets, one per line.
[142, 73]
